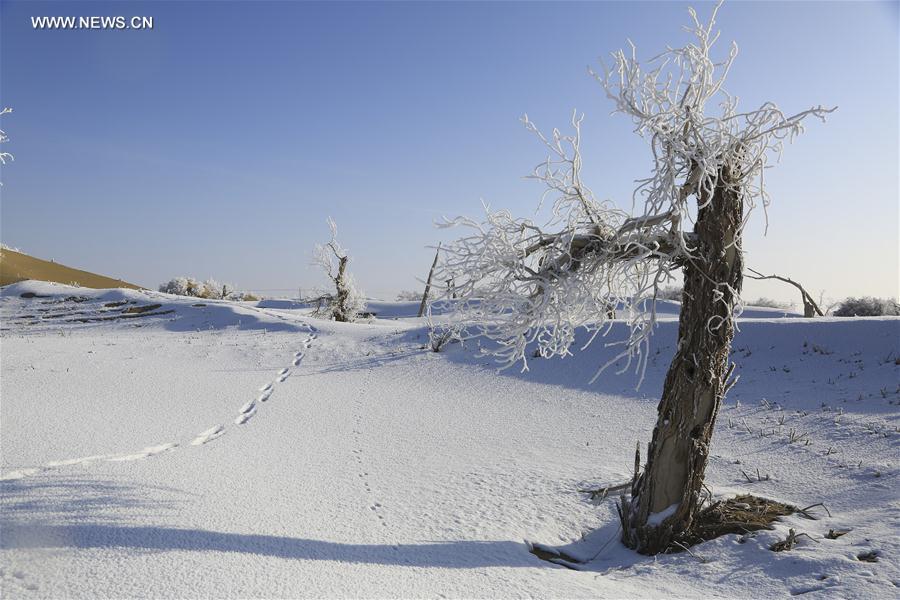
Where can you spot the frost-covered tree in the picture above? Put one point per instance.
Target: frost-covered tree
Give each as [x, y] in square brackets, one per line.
[211, 290]
[521, 283]
[188, 286]
[348, 301]
[5, 157]
[181, 286]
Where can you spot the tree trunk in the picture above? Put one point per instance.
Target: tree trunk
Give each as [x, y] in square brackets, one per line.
[341, 313]
[428, 283]
[665, 498]
[809, 310]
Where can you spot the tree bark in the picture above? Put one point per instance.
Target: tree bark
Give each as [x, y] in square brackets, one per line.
[666, 496]
[428, 282]
[341, 312]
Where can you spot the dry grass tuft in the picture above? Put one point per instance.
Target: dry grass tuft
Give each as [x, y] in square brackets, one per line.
[739, 515]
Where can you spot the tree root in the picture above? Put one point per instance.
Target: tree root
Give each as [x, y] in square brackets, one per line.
[597, 495]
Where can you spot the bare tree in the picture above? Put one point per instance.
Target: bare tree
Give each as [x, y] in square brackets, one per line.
[810, 308]
[348, 301]
[525, 284]
[428, 282]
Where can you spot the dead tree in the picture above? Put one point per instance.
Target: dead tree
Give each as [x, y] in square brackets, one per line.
[348, 301]
[522, 284]
[810, 308]
[428, 282]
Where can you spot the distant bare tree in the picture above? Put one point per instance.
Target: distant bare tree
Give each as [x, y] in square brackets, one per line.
[810, 308]
[428, 283]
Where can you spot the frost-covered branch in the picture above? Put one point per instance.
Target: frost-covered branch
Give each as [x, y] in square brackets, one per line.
[667, 99]
[523, 283]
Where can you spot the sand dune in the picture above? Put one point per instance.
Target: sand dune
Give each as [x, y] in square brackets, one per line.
[15, 266]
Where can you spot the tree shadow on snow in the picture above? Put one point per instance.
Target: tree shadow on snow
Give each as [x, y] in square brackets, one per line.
[53, 512]
[217, 315]
[452, 554]
[571, 372]
[60, 498]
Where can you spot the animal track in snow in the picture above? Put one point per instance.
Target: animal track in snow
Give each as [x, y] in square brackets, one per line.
[264, 396]
[245, 416]
[145, 453]
[283, 376]
[79, 461]
[357, 452]
[266, 388]
[208, 435]
[298, 360]
[284, 371]
[16, 579]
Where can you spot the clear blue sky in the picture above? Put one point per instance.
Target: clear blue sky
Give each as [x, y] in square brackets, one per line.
[217, 143]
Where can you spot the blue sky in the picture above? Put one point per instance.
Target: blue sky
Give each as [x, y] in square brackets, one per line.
[217, 143]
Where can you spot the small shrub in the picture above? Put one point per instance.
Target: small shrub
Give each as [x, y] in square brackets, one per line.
[408, 296]
[769, 303]
[212, 289]
[181, 286]
[188, 286]
[868, 307]
[438, 337]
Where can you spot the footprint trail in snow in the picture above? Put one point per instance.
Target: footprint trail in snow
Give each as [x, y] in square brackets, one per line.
[245, 413]
[208, 435]
[145, 453]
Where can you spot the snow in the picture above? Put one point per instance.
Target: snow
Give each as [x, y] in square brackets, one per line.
[657, 518]
[379, 468]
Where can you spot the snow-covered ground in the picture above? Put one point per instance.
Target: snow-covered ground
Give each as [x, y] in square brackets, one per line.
[214, 449]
